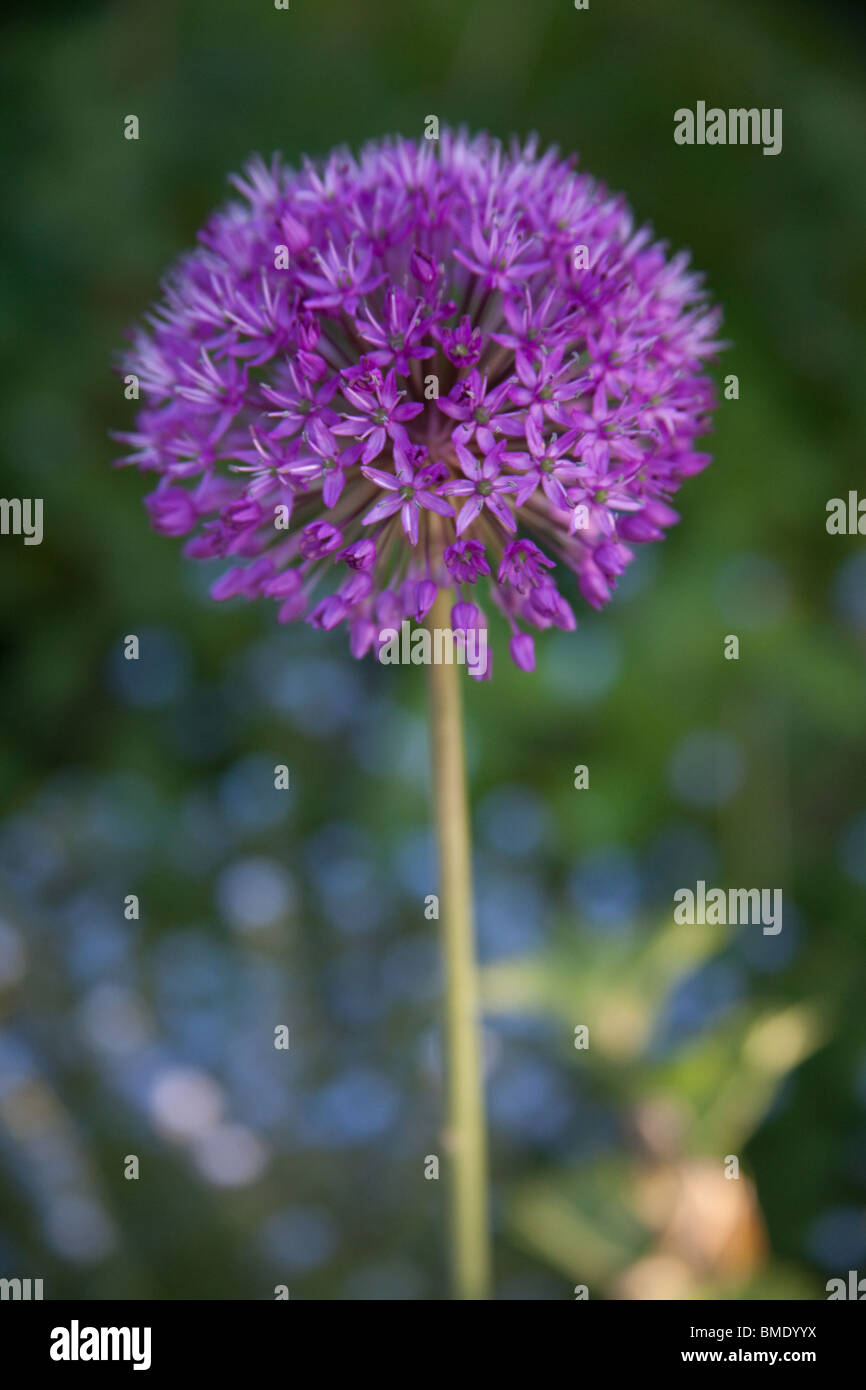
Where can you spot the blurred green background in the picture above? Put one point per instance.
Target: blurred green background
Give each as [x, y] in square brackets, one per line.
[155, 1037]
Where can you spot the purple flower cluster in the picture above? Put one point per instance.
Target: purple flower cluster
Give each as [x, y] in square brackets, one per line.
[385, 375]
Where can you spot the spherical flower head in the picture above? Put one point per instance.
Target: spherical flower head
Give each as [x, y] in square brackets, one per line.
[448, 364]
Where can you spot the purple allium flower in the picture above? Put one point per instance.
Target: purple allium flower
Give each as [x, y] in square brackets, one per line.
[380, 376]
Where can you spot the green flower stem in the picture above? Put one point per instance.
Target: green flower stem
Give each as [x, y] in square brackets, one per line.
[467, 1137]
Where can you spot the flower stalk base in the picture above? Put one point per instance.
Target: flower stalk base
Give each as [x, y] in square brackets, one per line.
[466, 1129]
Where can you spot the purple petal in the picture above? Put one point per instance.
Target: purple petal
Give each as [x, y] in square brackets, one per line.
[385, 480]
[522, 650]
[386, 506]
[409, 518]
[434, 503]
[501, 511]
[468, 512]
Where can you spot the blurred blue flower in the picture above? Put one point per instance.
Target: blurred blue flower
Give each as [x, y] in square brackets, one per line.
[706, 768]
[392, 1280]
[355, 1108]
[752, 591]
[78, 1228]
[697, 1002]
[341, 861]
[95, 940]
[201, 727]
[255, 894]
[112, 1020]
[767, 953]
[581, 670]
[230, 1156]
[322, 695]
[197, 839]
[677, 855]
[160, 673]
[639, 574]
[530, 1100]
[853, 850]
[13, 959]
[606, 890]
[411, 969]
[121, 810]
[415, 864]
[837, 1240]
[389, 741]
[190, 966]
[298, 1239]
[30, 853]
[353, 987]
[247, 796]
[849, 589]
[515, 820]
[513, 912]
